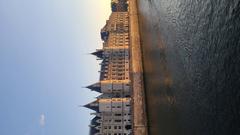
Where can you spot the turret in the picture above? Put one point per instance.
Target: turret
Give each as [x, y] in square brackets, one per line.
[95, 87]
[113, 87]
[93, 105]
[98, 53]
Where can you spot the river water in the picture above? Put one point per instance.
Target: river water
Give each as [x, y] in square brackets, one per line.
[191, 53]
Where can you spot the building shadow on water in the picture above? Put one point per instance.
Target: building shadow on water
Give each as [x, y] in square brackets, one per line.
[161, 102]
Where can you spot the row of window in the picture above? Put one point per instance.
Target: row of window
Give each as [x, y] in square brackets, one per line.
[114, 58]
[122, 16]
[116, 78]
[110, 127]
[114, 71]
[115, 134]
[116, 121]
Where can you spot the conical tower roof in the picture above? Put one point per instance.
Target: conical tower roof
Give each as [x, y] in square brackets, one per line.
[95, 87]
[98, 53]
[93, 105]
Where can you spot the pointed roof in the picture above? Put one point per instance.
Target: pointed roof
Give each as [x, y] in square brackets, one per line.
[95, 87]
[93, 105]
[98, 53]
[94, 121]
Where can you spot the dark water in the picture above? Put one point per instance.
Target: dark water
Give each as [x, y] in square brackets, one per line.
[191, 58]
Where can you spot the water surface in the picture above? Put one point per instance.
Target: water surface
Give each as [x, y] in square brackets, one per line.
[191, 52]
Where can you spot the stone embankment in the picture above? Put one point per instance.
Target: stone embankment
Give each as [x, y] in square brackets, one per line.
[139, 104]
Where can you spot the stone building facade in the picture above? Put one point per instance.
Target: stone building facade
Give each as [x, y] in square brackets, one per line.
[113, 107]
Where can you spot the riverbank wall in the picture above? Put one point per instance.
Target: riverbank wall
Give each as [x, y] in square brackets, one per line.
[139, 102]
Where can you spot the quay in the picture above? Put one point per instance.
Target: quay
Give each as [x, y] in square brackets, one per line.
[138, 94]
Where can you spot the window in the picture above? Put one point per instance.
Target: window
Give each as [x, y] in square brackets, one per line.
[118, 120]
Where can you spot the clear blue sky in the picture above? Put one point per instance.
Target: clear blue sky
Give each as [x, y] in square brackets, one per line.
[44, 64]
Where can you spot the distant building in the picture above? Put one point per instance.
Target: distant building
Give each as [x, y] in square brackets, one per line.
[113, 107]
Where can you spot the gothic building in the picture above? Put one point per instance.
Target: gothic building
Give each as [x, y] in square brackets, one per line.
[112, 109]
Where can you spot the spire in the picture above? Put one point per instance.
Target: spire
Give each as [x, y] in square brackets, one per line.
[98, 53]
[95, 87]
[93, 105]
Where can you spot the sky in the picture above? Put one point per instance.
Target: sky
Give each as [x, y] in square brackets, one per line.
[45, 63]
